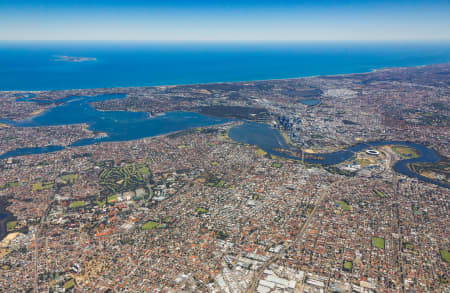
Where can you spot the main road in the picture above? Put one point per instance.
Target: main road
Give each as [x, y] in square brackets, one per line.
[258, 274]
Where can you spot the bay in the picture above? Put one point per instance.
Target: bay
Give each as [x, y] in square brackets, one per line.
[113, 125]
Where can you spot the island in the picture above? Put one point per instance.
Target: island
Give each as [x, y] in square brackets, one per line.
[73, 59]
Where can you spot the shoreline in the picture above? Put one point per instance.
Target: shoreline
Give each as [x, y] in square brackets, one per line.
[8, 217]
[227, 82]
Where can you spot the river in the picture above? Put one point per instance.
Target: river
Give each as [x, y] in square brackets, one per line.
[126, 125]
[269, 139]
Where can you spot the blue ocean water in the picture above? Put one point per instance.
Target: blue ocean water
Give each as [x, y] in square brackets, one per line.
[34, 65]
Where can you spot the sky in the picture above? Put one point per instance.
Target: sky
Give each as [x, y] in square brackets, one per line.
[228, 20]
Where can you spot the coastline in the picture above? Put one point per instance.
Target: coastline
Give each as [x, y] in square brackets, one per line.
[328, 152]
[226, 82]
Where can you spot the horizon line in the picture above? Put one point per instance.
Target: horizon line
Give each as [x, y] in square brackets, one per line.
[221, 41]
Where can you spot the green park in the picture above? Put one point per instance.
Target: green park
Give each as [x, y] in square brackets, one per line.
[124, 178]
[445, 255]
[77, 204]
[344, 206]
[150, 226]
[378, 242]
[348, 265]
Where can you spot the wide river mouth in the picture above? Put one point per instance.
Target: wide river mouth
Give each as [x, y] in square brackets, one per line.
[127, 125]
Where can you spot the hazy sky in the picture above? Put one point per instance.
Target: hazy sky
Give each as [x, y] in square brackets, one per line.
[214, 20]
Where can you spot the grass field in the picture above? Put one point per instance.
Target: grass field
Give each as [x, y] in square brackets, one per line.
[363, 162]
[276, 165]
[38, 186]
[69, 178]
[13, 184]
[286, 138]
[260, 152]
[379, 193]
[445, 255]
[113, 198]
[100, 203]
[69, 284]
[378, 242]
[77, 204]
[10, 184]
[344, 206]
[216, 182]
[11, 225]
[405, 152]
[144, 170]
[200, 211]
[348, 265]
[150, 226]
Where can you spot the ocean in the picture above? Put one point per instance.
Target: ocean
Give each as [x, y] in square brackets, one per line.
[49, 66]
[39, 66]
